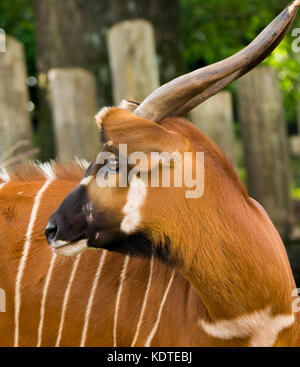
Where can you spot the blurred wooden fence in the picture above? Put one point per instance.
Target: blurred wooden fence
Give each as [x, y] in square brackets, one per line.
[73, 100]
[133, 60]
[135, 74]
[16, 138]
[215, 118]
[265, 144]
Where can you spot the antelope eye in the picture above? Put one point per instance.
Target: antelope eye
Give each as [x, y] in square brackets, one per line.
[113, 165]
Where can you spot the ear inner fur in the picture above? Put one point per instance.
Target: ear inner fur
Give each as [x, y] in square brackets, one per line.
[140, 135]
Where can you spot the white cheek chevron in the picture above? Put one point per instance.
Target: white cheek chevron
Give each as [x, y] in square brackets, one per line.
[135, 199]
[4, 176]
[87, 180]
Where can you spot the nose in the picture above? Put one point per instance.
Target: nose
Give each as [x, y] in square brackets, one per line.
[51, 232]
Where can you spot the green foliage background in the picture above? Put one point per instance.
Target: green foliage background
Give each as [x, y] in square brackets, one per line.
[16, 18]
[216, 29]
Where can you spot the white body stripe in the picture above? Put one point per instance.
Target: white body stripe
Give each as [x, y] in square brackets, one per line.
[154, 330]
[122, 278]
[24, 257]
[44, 298]
[91, 299]
[66, 299]
[144, 303]
[261, 326]
[2, 300]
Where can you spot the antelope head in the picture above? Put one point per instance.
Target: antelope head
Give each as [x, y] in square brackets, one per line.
[203, 224]
[110, 207]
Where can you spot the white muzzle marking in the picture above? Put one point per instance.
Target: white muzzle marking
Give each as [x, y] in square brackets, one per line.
[69, 249]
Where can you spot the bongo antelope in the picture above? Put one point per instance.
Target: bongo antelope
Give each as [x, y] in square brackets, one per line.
[225, 281]
[223, 243]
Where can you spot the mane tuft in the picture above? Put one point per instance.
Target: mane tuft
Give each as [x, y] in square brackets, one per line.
[82, 163]
[47, 169]
[38, 171]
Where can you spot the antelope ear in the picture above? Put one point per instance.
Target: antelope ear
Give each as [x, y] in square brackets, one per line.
[140, 135]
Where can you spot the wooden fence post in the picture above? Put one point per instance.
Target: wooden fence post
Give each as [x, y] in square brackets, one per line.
[73, 95]
[215, 118]
[266, 144]
[298, 116]
[295, 140]
[135, 74]
[15, 121]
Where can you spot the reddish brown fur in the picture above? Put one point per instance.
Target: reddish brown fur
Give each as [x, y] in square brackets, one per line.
[229, 249]
[183, 308]
[228, 246]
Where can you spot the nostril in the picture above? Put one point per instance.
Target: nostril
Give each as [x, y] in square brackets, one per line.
[51, 232]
